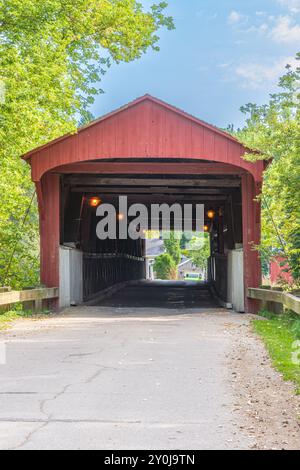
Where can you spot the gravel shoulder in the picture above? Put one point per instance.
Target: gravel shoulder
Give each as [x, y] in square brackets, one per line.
[269, 405]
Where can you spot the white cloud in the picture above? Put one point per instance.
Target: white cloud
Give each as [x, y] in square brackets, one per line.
[236, 17]
[293, 5]
[256, 75]
[286, 31]
[224, 65]
[280, 29]
[262, 29]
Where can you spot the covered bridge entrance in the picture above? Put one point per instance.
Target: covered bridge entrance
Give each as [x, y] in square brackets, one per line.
[152, 153]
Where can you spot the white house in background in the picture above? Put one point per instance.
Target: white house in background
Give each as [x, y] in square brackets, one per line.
[154, 248]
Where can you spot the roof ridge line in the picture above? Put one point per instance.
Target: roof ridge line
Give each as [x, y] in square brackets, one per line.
[122, 108]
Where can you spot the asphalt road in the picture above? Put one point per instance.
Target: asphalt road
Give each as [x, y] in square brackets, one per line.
[122, 378]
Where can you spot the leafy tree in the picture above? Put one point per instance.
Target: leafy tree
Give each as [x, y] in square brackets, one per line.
[272, 131]
[184, 241]
[172, 245]
[199, 250]
[165, 268]
[52, 56]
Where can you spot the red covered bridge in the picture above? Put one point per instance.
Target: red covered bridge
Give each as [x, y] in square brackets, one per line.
[153, 153]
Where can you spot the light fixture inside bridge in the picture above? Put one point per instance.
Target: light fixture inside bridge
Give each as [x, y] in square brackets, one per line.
[211, 214]
[95, 201]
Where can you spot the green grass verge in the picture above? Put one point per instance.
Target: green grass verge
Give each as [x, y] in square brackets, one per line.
[280, 332]
[6, 318]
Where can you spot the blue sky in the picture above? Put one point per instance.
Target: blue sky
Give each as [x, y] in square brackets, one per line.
[223, 54]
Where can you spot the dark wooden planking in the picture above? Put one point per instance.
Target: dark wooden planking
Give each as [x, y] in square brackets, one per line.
[156, 190]
[142, 198]
[149, 167]
[99, 181]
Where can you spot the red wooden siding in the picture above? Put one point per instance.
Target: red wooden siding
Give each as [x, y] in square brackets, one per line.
[49, 206]
[147, 128]
[251, 238]
[280, 271]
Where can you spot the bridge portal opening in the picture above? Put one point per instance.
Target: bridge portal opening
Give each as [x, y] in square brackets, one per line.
[150, 151]
[89, 265]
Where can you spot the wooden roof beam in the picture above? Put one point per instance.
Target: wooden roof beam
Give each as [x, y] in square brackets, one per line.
[121, 182]
[149, 167]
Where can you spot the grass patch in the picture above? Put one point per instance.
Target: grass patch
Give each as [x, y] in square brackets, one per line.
[6, 318]
[280, 332]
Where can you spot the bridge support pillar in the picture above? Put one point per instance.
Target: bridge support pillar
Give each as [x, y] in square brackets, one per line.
[49, 206]
[251, 238]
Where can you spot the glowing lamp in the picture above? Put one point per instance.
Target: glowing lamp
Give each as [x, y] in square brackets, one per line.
[211, 214]
[94, 201]
[206, 228]
[121, 216]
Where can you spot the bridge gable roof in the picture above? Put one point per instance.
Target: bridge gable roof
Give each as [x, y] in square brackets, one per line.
[144, 128]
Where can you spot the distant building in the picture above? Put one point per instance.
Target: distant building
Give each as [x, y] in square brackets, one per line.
[154, 248]
[187, 266]
[280, 272]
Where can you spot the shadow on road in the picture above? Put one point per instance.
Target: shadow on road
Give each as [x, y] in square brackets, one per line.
[161, 294]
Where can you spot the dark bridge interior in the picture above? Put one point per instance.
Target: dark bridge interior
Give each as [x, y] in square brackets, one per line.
[161, 294]
[110, 262]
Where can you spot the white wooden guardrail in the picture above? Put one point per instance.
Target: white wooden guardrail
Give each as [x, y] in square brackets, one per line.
[31, 299]
[269, 297]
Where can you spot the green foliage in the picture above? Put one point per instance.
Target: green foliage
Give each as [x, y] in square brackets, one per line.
[273, 130]
[172, 246]
[52, 56]
[184, 241]
[165, 267]
[19, 236]
[199, 250]
[6, 318]
[280, 334]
